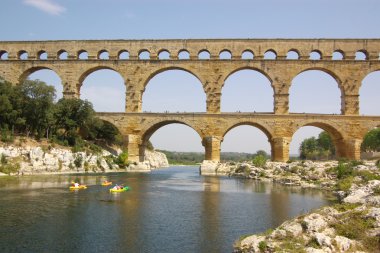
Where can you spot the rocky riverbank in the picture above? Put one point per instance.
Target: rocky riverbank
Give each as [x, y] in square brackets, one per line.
[311, 174]
[29, 160]
[352, 225]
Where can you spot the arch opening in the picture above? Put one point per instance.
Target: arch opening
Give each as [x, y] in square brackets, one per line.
[184, 55]
[123, 55]
[175, 137]
[315, 91]
[247, 55]
[63, 55]
[42, 55]
[103, 55]
[361, 55]
[174, 91]
[3, 55]
[247, 90]
[204, 55]
[247, 139]
[369, 94]
[292, 55]
[164, 55]
[315, 142]
[105, 89]
[270, 55]
[144, 55]
[22, 55]
[315, 55]
[225, 55]
[338, 55]
[83, 55]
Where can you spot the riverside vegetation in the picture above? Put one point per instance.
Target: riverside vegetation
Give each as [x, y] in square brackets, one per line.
[41, 136]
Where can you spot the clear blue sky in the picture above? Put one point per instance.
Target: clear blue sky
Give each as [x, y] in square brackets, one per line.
[244, 91]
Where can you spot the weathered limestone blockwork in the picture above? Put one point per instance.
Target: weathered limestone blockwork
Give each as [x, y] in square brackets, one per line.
[347, 130]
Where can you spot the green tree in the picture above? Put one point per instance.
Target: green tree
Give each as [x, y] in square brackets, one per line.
[71, 115]
[371, 141]
[38, 106]
[317, 148]
[11, 106]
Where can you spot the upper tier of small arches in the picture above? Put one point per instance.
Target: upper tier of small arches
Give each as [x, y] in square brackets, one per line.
[193, 50]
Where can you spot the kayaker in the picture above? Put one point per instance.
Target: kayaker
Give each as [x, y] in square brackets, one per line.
[76, 185]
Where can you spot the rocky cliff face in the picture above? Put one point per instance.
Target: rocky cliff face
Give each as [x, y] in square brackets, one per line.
[35, 160]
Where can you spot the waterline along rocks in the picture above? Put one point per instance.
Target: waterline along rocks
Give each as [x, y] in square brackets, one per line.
[352, 225]
[36, 160]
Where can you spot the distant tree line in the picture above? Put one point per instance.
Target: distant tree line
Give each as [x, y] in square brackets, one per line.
[29, 109]
[191, 158]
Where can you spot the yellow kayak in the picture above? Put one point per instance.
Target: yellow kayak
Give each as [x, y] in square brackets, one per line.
[82, 186]
[106, 183]
[126, 188]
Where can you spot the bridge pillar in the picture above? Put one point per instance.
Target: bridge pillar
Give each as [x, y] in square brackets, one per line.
[212, 148]
[280, 148]
[353, 149]
[70, 90]
[213, 102]
[133, 101]
[134, 142]
[350, 104]
[281, 103]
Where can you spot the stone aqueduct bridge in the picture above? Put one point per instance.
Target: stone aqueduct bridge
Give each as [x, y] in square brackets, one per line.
[20, 59]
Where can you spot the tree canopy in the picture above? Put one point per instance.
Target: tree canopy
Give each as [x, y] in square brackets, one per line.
[28, 108]
[317, 148]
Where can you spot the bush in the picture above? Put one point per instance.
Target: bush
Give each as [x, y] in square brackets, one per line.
[354, 226]
[259, 161]
[3, 159]
[263, 246]
[122, 159]
[78, 161]
[343, 170]
[344, 184]
[9, 168]
[367, 175]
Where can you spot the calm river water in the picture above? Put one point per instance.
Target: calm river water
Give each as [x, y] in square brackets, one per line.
[170, 210]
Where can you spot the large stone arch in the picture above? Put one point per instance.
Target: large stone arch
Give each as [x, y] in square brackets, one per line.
[24, 75]
[332, 73]
[154, 126]
[174, 74]
[91, 70]
[156, 72]
[254, 74]
[230, 73]
[335, 133]
[265, 129]
[329, 73]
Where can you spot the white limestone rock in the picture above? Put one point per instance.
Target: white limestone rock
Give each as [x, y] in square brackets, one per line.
[343, 243]
[156, 159]
[315, 222]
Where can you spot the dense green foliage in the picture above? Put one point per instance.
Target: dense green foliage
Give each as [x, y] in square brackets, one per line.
[317, 148]
[29, 109]
[371, 141]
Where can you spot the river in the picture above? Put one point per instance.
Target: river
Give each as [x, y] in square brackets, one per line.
[168, 210]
